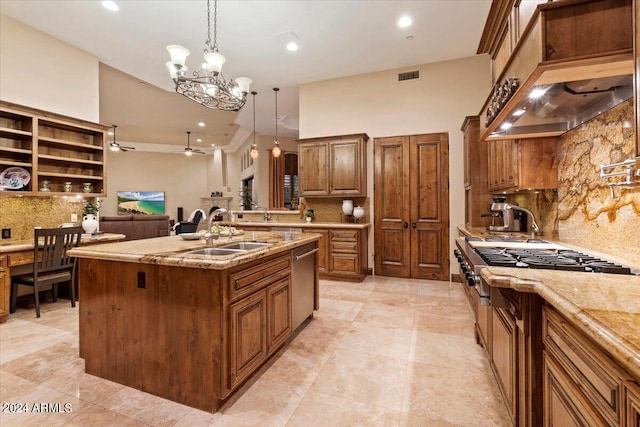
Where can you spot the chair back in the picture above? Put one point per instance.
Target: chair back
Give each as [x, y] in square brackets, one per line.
[55, 244]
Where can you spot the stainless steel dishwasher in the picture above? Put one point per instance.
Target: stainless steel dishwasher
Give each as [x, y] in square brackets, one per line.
[303, 283]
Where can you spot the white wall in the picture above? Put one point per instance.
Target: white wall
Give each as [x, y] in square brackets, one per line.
[37, 70]
[183, 179]
[377, 104]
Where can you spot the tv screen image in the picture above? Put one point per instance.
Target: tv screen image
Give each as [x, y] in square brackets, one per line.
[141, 202]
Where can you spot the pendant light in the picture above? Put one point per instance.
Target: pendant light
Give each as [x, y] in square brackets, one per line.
[254, 148]
[276, 144]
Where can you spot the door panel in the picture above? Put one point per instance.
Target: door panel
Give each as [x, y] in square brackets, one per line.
[429, 156]
[391, 184]
[411, 184]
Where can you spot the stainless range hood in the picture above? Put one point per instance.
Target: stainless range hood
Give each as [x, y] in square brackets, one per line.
[557, 108]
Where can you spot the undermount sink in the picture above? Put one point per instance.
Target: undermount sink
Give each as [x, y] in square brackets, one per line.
[230, 249]
[245, 246]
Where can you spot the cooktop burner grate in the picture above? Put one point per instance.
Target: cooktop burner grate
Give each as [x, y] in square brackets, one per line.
[556, 259]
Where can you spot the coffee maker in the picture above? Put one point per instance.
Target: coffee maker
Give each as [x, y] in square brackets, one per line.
[509, 218]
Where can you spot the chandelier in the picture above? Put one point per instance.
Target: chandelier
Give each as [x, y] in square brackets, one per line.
[208, 86]
[276, 151]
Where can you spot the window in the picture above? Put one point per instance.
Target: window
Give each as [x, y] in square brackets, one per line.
[290, 180]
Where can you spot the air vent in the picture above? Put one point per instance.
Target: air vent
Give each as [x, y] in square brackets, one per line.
[409, 75]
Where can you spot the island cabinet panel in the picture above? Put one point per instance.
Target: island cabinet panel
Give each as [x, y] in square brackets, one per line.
[504, 346]
[585, 374]
[139, 320]
[248, 339]
[279, 314]
[633, 403]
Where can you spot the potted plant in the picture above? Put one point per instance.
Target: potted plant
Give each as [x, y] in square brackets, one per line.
[89, 220]
[309, 215]
[247, 201]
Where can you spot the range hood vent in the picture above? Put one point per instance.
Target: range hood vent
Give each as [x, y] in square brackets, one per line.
[409, 75]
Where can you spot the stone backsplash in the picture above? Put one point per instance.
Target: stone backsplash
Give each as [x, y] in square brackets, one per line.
[22, 214]
[582, 210]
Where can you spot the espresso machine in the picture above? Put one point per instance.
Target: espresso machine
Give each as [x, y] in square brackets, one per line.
[503, 216]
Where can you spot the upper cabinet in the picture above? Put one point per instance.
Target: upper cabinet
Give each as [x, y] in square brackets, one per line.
[570, 61]
[333, 166]
[57, 155]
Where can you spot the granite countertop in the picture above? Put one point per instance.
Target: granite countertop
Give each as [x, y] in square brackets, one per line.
[606, 307]
[312, 224]
[26, 245]
[171, 250]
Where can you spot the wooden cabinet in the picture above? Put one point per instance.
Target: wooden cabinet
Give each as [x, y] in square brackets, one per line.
[248, 337]
[477, 196]
[54, 150]
[279, 314]
[632, 399]
[342, 253]
[504, 346]
[522, 164]
[581, 382]
[333, 166]
[5, 285]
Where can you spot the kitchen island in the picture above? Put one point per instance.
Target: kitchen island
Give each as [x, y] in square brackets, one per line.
[187, 327]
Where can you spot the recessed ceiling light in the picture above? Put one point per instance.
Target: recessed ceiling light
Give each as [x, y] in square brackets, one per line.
[199, 139]
[110, 5]
[213, 145]
[292, 46]
[201, 124]
[404, 22]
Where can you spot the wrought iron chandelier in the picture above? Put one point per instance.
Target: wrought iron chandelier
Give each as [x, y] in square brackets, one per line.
[208, 86]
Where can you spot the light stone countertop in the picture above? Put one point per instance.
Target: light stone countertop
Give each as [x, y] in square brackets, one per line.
[25, 245]
[171, 250]
[606, 307]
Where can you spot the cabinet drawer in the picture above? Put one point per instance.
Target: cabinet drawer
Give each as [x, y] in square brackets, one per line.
[596, 375]
[344, 247]
[20, 258]
[250, 279]
[344, 235]
[346, 264]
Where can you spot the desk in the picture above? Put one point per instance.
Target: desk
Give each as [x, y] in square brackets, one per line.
[17, 257]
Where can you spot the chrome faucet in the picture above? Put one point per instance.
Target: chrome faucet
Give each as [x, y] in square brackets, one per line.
[266, 215]
[209, 236]
[534, 226]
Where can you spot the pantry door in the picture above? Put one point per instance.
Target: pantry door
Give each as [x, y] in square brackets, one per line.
[411, 190]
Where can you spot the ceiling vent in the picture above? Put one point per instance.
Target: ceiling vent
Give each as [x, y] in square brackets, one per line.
[409, 75]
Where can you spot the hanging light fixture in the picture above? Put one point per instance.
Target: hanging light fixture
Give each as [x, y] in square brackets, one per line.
[254, 148]
[114, 146]
[276, 144]
[209, 86]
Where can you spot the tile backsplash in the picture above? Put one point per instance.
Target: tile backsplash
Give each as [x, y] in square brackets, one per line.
[21, 214]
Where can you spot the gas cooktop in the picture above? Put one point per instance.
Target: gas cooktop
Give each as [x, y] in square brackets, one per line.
[551, 259]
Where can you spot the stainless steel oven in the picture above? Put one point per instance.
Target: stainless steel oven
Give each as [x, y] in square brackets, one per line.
[470, 266]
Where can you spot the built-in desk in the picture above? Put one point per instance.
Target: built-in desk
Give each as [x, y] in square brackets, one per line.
[17, 257]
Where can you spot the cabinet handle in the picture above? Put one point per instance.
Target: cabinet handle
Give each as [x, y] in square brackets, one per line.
[413, 225]
[405, 224]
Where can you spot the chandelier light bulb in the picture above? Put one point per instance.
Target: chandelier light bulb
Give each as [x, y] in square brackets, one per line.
[214, 62]
[276, 149]
[178, 55]
[243, 84]
[254, 152]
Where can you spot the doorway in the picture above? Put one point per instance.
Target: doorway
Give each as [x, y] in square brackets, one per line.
[411, 190]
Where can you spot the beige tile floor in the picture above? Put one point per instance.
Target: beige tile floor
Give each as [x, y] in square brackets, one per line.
[385, 352]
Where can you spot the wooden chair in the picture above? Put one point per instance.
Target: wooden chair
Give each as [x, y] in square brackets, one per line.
[53, 267]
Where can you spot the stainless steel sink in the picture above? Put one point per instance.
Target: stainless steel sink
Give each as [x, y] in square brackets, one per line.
[215, 251]
[245, 246]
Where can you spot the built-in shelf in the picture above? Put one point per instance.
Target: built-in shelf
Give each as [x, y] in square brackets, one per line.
[14, 163]
[70, 159]
[70, 143]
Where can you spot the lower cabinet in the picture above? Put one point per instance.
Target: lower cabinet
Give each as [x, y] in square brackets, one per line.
[278, 314]
[504, 347]
[342, 253]
[583, 386]
[323, 248]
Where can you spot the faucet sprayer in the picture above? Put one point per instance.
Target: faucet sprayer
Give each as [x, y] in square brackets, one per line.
[534, 225]
[209, 236]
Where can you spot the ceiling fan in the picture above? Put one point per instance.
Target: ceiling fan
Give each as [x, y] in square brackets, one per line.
[188, 151]
[114, 146]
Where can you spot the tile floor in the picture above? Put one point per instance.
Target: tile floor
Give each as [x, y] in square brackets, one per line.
[385, 352]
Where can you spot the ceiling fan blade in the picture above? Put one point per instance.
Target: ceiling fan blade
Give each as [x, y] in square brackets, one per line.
[127, 148]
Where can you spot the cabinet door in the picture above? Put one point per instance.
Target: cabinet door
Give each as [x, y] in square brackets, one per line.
[633, 404]
[347, 177]
[563, 403]
[248, 336]
[503, 356]
[323, 248]
[313, 169]
[279, 308]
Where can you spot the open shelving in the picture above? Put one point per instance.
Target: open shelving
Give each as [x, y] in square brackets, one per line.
[52, 148]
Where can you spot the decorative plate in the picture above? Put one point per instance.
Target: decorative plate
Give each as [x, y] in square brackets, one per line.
[15, 178]
[190, 236]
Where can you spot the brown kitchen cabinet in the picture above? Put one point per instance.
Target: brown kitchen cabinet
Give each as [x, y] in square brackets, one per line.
[323, 249]
[333, 166]
[504, 347]
[583, 385]
[522, 164]
[342, 253]
[477, 196]
[632, 399]
[53, 148]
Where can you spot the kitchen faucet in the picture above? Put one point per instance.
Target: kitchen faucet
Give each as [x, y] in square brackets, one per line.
[209, 236]
[534, 227]
[266, 215]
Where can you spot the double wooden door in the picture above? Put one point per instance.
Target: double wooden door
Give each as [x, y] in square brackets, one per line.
[411, 187]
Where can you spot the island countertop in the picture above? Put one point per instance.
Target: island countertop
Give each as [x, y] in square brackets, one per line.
[25, 245]
[171, 250]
